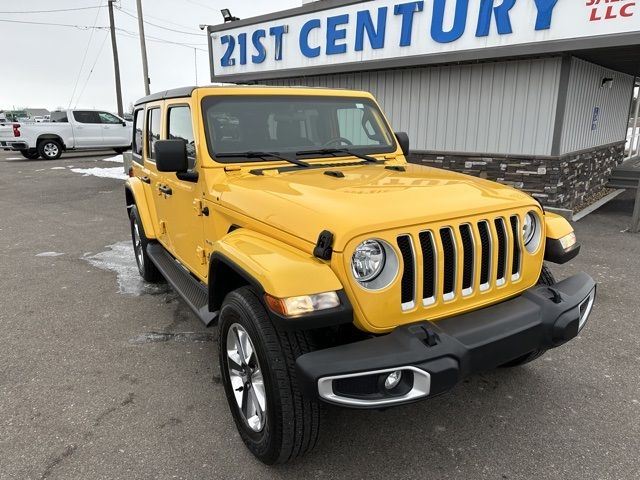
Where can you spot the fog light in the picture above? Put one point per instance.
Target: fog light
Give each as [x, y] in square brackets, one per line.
[393, 379]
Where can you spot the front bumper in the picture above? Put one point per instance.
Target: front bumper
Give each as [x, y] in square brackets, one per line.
[435, 356]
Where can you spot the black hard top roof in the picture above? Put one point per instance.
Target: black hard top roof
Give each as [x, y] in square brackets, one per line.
[173, 93]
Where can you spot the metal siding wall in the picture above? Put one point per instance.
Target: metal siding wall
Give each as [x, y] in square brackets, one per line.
[583, 94]
[501, 108]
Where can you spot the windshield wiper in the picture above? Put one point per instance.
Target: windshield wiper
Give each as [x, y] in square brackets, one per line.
[334, 151]
[263, 156]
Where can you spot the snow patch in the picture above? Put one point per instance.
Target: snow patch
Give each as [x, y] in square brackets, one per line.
[120, 258]
[57, 168]
[49, 254]
[111, 172]
[15, 158]
[116, 159]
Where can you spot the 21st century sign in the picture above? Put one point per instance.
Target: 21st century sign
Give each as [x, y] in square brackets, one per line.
[385, 29]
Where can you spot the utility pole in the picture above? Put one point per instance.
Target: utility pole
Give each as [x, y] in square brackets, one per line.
[143, 47]
[116, 62]
[195, 63]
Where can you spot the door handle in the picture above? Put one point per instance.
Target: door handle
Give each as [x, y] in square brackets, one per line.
[145, 179]
[165, 189]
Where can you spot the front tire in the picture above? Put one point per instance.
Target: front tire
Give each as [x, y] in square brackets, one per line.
[50, 149]
[275, 421]
[546, 278]
[146, 267]
[31, 154]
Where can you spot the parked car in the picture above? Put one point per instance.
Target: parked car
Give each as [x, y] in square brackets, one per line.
[68, 130]
[336, 271]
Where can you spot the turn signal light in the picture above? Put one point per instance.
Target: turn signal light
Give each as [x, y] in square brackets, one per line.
[302, 304]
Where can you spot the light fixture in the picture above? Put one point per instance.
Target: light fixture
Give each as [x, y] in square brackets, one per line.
[226, 14]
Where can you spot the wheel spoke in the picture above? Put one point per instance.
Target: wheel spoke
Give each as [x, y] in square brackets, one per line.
[257, 407]
[239, 346]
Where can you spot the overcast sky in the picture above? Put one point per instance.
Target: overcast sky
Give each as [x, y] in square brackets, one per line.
[39, 64]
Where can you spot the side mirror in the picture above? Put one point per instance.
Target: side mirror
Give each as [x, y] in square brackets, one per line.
[171, 156]
[403, 140]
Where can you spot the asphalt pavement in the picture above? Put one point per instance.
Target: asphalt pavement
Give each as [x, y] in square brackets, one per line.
[104, 377]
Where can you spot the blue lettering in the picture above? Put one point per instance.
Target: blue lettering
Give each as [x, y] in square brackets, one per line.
[375, 35]
[242, 41]
[261, 52]
[226, 60]
[306, 50]
[407, 10]
[501, 12]
[545, 11]
[334, 34]
[459, 22]
[278, 33]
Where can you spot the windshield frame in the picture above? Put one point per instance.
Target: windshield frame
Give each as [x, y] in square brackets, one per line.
[209, 100]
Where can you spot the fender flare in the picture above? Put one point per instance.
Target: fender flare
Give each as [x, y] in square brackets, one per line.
[557, 227]
[247, 257]
[51, 136]
[134, 195]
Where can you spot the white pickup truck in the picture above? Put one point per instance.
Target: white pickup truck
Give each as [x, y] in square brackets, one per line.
[67, 130]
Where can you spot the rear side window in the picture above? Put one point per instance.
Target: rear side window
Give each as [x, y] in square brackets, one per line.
[153, 131]
[59, 117]
[180, 128]
[86, 117]
[138, 125]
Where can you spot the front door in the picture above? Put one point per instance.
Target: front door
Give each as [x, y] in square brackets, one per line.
[178, 204]
[87, 129]
[114, 132]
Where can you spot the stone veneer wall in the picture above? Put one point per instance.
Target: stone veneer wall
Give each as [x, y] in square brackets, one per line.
[561, 181]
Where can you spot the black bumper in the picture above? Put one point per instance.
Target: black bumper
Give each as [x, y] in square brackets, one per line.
[453, 348]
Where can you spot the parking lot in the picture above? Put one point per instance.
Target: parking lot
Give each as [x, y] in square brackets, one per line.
[102, 376]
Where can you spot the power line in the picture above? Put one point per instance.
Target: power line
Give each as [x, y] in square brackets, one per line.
[157, 18]
[104, 42]
[81, 27]
[202, 5]
[84, 57]
[160, 26]
[51, 11]
[130, 34]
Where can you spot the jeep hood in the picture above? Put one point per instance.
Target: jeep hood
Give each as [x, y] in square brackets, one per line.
[368, 199]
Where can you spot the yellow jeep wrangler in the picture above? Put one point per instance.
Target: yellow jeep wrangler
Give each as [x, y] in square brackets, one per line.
[336, 271]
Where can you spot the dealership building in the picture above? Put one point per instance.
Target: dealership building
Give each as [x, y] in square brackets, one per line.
[530, 93]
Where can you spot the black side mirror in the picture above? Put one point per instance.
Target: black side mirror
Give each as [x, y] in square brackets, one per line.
[171, 156]
[403, 140]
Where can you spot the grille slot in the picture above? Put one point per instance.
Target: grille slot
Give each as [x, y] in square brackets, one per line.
[501, 232]
[485, 260]
[429, 265]
[517, 252]
[408, 284]
[468, 252]
[449, 263]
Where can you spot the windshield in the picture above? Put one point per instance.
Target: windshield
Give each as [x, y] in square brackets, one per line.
[290, 124]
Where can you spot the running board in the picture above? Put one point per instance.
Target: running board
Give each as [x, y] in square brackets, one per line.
[192, 291]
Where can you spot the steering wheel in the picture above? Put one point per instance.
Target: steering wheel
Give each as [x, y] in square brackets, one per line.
[338, 141]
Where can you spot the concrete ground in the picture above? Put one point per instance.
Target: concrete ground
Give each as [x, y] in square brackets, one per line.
[87, 393]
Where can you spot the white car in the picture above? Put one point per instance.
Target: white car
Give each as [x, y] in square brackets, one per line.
[67, 130]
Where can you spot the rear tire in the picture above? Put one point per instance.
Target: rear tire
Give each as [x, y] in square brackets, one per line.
[146, 267]
[546, 278]
[50, 149]
[120, 150]
[31, 154]
[290, 422]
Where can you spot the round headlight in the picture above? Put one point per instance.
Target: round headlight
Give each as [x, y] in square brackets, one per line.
[531, 232]
[368, 260]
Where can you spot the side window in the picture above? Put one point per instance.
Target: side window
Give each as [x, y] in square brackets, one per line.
[82, 116]
[153, 131]
[180, 128]
[108, 118]
[138, 126]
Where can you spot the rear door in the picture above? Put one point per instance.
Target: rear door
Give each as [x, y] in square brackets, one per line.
[87, 129]
[114, 131]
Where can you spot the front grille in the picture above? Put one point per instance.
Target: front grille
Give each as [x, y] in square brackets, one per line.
[460, 260]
